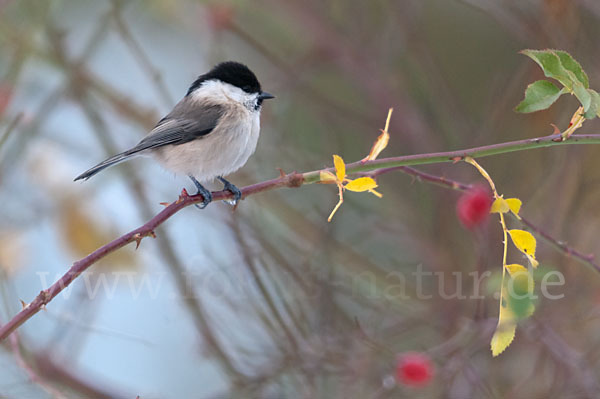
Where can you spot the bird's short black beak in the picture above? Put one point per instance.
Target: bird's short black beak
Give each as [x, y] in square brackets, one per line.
[265, 96]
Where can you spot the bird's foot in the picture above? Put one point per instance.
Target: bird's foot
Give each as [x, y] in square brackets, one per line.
[237, 194]
[206, 194]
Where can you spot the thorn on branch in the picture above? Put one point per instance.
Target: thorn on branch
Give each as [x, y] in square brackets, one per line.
[182, 196]
[137, 237]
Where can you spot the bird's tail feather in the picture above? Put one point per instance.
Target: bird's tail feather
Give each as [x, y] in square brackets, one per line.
[105, 164]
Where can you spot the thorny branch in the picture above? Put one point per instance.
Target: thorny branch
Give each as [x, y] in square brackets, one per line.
[293, 179]
[147, 230]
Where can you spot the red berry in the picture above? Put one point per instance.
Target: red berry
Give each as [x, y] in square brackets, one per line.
[414, 369]
[473, 207]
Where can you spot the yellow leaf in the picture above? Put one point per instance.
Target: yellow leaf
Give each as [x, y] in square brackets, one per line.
[502, 338]
[500, 205]
[83, 234]
[340, 167]
[382, 140]
[506, 316]
[533, 261]
[525, 242]
[576, 119]
[375, 193]
[515, 268]
[514, 204]
[361, 184]
[507, 325]
[80, 231]
[13, 251]
[327, 177]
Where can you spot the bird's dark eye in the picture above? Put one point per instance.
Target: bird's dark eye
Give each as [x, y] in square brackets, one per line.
[247, 89]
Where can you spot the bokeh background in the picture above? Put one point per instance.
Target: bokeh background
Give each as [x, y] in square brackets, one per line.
[271, 301]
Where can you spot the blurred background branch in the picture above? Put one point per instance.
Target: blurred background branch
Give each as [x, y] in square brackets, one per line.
[272, 301]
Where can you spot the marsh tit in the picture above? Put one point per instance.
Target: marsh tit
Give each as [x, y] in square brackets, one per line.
[209, 134]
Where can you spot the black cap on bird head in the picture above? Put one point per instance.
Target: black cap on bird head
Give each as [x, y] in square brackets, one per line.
[231, 72]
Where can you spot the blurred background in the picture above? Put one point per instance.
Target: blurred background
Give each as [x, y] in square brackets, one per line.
[271, 301]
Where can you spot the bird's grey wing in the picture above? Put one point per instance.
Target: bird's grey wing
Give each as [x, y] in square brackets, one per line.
[185, 123]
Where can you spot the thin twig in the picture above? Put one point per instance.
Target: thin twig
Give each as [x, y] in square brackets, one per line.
[147, 230]
[291, 180]
[85, 385]
[433, 179]
[139, 54]
[560, 350]
[31, 373]
[587, 259]
[252, 266]
[454, 156]
[81, 92]
[10, 128]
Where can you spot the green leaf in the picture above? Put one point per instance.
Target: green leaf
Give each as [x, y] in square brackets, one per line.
[552, 66]
[538, 96]
[594, 109]
[570, 64]
[520, 292]
[584, 97]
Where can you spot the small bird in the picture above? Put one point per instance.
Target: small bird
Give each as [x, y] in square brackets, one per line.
[209, 134]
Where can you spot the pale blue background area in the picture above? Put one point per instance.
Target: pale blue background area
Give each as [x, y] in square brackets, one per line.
[143, 345]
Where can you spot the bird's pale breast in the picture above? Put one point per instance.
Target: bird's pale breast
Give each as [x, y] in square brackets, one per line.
[221, 152]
